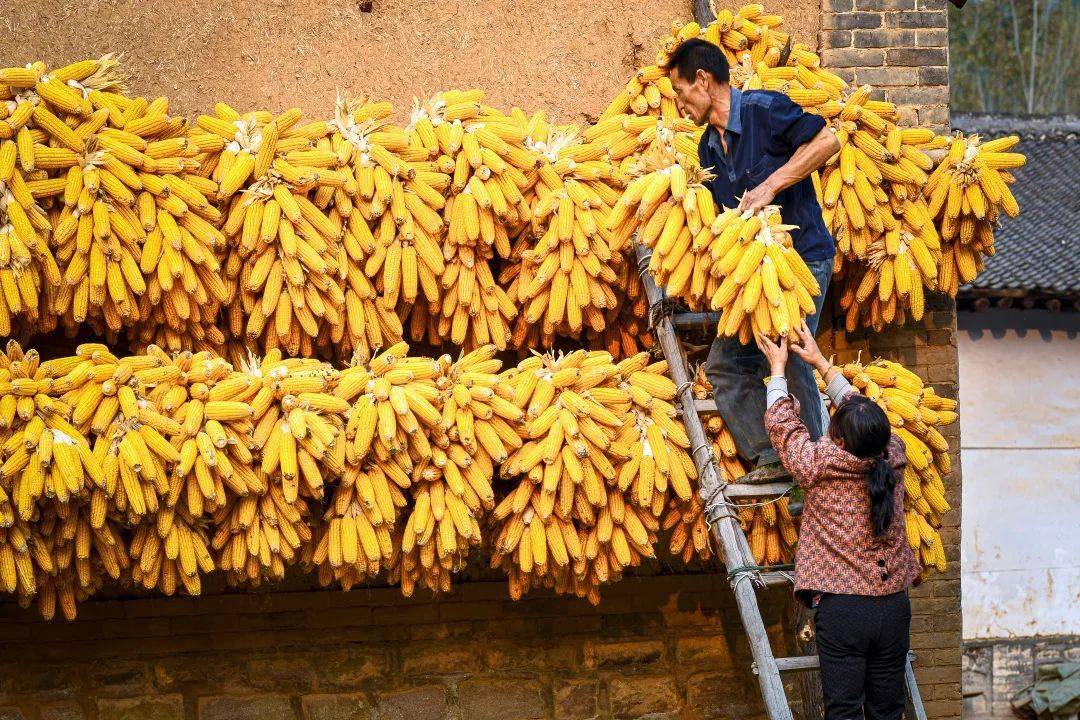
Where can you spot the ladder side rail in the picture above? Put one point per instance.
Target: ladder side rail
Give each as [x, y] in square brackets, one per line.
[726, 527]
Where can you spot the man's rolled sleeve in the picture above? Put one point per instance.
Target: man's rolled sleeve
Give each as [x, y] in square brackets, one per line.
[791, 124]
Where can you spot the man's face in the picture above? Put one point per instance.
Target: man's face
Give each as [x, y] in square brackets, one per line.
[692, 96]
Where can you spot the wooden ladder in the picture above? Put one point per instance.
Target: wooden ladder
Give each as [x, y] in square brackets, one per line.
[724, 521]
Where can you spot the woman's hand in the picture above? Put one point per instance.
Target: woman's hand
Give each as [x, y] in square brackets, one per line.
[808, 351]
[775, 353]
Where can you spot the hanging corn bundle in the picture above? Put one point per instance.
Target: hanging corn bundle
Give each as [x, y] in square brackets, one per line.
[766, 287]
[967, 193]
[207, 404]
[490, 162]
[392, 222]
[655, 444]
[73, 558]
[567, 525]
[169, 552]
[565, 274]
[452, 490]
[283, 263]
[389, 419]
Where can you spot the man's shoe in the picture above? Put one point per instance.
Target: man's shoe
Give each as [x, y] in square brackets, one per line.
[770, 472]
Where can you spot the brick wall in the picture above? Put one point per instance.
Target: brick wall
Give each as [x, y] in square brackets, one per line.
[660, 647]
[899, 46]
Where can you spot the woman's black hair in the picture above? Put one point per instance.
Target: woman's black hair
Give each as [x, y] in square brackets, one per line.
[865, 431]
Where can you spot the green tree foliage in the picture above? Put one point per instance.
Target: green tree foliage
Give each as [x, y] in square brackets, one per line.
[1015, 56]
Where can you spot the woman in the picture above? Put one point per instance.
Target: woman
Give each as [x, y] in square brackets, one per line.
[853, 562]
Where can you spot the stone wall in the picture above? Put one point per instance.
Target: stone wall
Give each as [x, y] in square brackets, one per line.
[994, 670]
[661, 647]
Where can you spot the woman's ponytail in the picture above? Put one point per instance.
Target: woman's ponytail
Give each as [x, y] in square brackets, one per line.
[865, 431]
[881, 482]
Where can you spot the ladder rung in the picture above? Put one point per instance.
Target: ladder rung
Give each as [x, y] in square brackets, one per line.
[772, 579]
[797, 664]
[681, 320]
[742, 490]
[705, 407]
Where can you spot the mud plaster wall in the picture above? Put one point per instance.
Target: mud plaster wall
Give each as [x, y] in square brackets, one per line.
[567, 57]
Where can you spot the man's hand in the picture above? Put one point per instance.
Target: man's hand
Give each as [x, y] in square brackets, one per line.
[757, 198]
[775, 353]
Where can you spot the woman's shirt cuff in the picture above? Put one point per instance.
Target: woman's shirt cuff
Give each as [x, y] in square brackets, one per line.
[775, 390]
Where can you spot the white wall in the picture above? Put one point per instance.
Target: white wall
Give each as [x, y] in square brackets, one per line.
[1020, 448]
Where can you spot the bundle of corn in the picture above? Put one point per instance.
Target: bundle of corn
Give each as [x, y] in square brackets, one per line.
[392, 412]
[73, 555]
[746, 33]
[770, 530]
[170, 551]
[355, 541]
[283, 263]
[297, 419]
[452, 489]
[625, 137]
[489, 178]
[131, 452]
[655, 443]
[626, 331]
[967, 193]
[766, 521]
[899, 266]
[674, 217]
[37, 107]
[878, 164]
[916, 413]
[118, 179]
[389, 419]
[564, 278]
[802, 79]
[766, 286]
[45, 456]
[256, 536]
[208, 403]
[567, 525]
[20, 554]
[392, 255]
[27, 265]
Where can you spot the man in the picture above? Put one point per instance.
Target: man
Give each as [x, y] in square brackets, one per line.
[763, 149]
